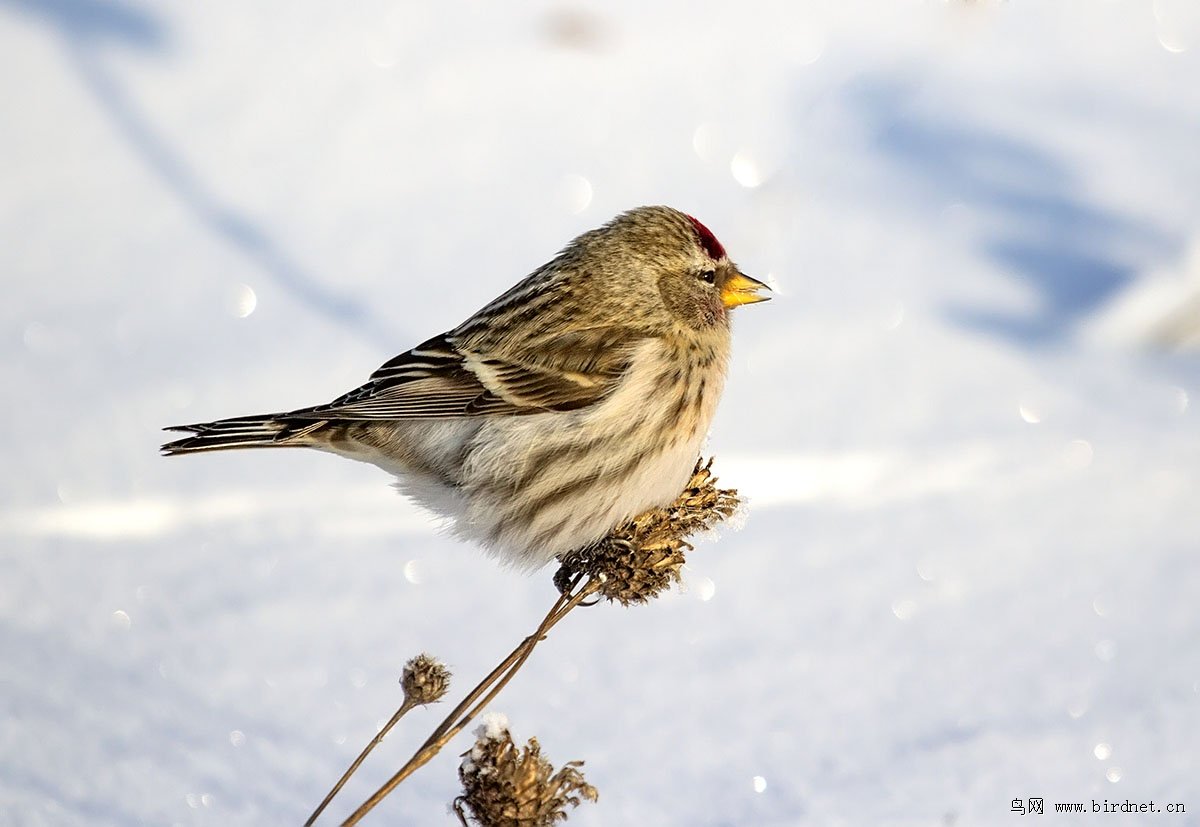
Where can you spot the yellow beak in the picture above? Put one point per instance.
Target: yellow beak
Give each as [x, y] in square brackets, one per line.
[741, 289]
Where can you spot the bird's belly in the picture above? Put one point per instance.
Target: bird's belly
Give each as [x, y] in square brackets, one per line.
[528, 488]
[538, 486]
[571, 497]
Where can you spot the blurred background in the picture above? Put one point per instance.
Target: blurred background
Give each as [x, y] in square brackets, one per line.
[967, 424]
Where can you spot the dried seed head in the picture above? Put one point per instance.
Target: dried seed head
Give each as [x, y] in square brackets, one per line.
[425, 680]
[641, 558]
[504, 786]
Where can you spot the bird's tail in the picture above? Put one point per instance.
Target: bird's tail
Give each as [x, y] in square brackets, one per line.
[262, 431]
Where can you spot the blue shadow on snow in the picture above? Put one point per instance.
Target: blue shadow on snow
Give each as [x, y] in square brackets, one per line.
[85, 26]
[1041, 230]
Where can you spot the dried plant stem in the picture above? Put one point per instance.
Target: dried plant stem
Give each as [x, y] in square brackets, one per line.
[479, 697]
[400, 713]
[636, 562]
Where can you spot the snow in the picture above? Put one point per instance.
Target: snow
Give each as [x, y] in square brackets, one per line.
[492, 728]
[970, 570]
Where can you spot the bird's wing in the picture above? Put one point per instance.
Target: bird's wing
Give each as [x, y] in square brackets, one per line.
[440, 379]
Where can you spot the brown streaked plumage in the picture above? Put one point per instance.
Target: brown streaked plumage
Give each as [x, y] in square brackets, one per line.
[575, 400]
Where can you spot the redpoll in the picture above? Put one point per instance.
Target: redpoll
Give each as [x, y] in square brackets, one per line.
[574, 401]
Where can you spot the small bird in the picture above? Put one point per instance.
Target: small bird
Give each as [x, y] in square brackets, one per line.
[574, 401]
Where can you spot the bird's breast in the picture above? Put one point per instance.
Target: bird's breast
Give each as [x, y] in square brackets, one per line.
[545, 484]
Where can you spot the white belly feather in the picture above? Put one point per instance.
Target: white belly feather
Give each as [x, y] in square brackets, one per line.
[530, 487]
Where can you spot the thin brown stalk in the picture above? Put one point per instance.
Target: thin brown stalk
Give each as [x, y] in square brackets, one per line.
[405, 707]
[495, 674]
[636, 562]
[479, 697]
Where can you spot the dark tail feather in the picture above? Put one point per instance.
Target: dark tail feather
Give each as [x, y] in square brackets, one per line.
[262, 431]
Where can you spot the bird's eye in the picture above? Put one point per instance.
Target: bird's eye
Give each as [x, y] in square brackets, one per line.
[709, 276]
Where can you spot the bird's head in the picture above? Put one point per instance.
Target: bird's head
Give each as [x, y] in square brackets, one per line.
[669, 265]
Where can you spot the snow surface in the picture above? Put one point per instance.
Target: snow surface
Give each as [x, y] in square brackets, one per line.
[970, 573]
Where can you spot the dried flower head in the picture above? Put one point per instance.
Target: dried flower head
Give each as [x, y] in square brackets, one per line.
[504, 786]
[425, 680]
[642, 557]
